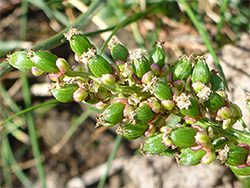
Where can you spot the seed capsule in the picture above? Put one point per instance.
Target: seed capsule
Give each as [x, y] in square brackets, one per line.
[214, 102]
[44, 60]
[153, 145]
[144, 114]
[80, 94]
[183, 137]
[131, 131]
[114, 113]
[182, 70]
[119, 52]
[162, 91]
[190, 158]
[20, 61]
[216, 82]
[193, 109]
[241, 171]
[200, 72]
[139, 62]
[237, 155]
[65, 93]
[158, 55]
[99, 66]
[79, 43]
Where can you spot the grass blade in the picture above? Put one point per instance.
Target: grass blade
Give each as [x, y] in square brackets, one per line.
[204, 35]
[118, 141]
[32, 130]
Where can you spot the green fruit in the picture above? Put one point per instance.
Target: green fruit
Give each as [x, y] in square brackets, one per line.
[65, 93]
[20, 61]
[153, 145]
[183, 137]
[158, 55]
[45, 61]
[200, 72]
[241, 171]
[99, 66]
[144, 114]
[190, 158]
[193, 110]
[119, 52]
[131, 131]
[114, 113]
[79, 44]
[182, 70]
[162, 91]
[214, 102]
[140, 67]
[216, 82]
[237, 155]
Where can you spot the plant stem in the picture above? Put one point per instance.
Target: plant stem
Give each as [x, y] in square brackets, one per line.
[233, 134]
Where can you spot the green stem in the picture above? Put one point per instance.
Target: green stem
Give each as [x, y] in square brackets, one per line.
[204, 35]
[230, 133]
[52, 102]
[244, 125]
[58, 38]
[32, 130]
[110, 160]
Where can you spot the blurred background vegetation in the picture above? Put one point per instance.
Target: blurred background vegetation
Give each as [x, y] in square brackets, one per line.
[50, 142]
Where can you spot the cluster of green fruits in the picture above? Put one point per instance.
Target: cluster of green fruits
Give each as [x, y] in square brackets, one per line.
[182, 109]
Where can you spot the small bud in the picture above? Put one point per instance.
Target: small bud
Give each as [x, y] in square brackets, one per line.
[147, 77]
[101, 105]
[190, 120]
[118, 51]
[131, 131]
[62, 65]
[153, 145]
[179, 84]
[108, 79]
[65, 93]
[114, 113]
[164, 70]
[167, 141]
[200, 72]
[80, 94]
[183, 137]
[201, 138]
[140, 63]
[190, 157]
[144, 114]
[55, 76]
[158, 55]
[247, 101]
[44, 60]
[162, 91]
[208, 157]
[224, 113]
[20, 61]
[182, 70]
[198, 86]
[36, 71]
[155, 69]
[154, 105]
[79, 43]
[150, 131]
[168, 104]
